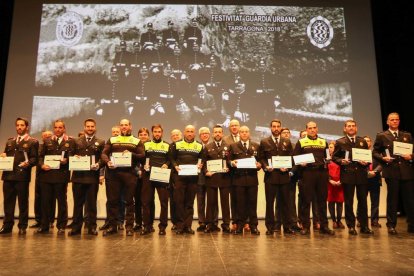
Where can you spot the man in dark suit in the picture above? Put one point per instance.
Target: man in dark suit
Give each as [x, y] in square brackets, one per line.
[54, 180]
[245, 181]
[86, 183]
[217, 150]
[397, 171]
[276, 178]
[353, 175]
[203, 106]
[24, 149]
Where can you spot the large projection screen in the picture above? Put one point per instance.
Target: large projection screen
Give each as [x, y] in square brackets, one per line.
[295, 60]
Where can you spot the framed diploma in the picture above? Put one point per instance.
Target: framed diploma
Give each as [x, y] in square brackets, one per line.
[304, 158]
[53, 161]
[364, 155]
[279, 162]
[122, 159]
[79, 163]
[160, 175]
[401, 148]
[246, 163]
[188, 170]
[215, 166]
[6, 163]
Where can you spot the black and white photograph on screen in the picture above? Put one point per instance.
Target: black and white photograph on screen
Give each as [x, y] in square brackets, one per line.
[198, 64]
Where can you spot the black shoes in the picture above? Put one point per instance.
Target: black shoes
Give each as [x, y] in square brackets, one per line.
[61, 231]
[201, 228]
[92, 232]
[352, 231]
[22, 231]
[105, 226]
[74, 232]
[366, 230]
[326, 231]
[305, 231]
[121, 226]
[145, 231]
[35, 225]
[188, 230]
[392, 231]
[5, 230]
[254, 231]
[375, 224]
[129, 232]
[42, 231]
[226, 229]
[137, 228]
[110, 231]
[288, 231]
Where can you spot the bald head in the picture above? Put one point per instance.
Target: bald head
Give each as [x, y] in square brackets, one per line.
[189, 133]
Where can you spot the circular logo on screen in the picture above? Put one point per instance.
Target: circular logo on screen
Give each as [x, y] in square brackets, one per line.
[69, 28]
[320, 32]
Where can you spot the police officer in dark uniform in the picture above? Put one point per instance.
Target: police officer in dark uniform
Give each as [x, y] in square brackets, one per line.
[215, 181]
[156, 153]
[276, 179]
[245, 181]
[314, 177]
[185, 152]
[122, 177]
[24, 149]
[54, 180]
[193, 34]
[170, 36]
[86, 183]
[397, 171]
[353, 175]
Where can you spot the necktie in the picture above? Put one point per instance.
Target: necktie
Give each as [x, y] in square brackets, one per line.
[276, 141]
[236, 138]
[353, 140]
[245, 145]
[89, 139]
[218, 145]
[395, 135]
[19, 139]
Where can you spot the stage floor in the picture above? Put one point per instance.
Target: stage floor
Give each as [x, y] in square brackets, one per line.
[209, 254]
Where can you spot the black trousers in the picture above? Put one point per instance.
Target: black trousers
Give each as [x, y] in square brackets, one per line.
[314, 184]
[121, 181]
[185, 189]
[314, 205]
[147, 200]
[121, 217]
[172, 204]
[38, 204]
[233, 205]
[336, 217]
[51, 192]
[11, 191]
[362, 209]
[280, 194]
[374, 190]
[84, 195]
[201, 203]
[212, 205]
[407, 191]
[246, 205]
[138, 202]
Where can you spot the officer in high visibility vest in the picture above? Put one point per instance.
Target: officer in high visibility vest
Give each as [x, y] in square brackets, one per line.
[185, 156]
[156, 155]
[314, 177]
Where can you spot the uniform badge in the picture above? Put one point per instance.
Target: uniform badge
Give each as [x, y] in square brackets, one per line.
[96, 144]
[69, 28]
[284, 143]
[320, 143]
[405, 139]
[66, 145]
[225, 148]
[25, 145]
[361, 144]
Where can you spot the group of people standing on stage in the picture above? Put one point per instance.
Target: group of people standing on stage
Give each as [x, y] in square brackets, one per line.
[185, 169]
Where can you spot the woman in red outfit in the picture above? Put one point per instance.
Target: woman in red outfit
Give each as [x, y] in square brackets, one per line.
[335, 192]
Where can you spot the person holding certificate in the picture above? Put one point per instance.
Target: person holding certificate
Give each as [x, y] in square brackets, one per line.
[54, 176]
[22, 152]
[353, 176]
[244, 159]
[122, 154]
[277, 176]
[397, 169]
[85, 183]
[156, 156]
[217, 178]
[185, 157]
[314, 177]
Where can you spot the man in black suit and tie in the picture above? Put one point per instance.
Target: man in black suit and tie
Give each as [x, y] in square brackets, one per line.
[54, 180]
[203, 106]
[397, 171]
[354, 175]
[245, 181]
[86, 183]
[276, 179]
[16, 182]
[220, 180]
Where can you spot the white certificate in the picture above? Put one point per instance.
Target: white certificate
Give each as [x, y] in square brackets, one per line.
[6, 163]
[401, 148]
[246, 163]
[364, 155]
[188, 170]
[79, 163]
[160, 175]
[53, 161]
[279, 162]
[215, 166]
[122, 159]
[304, 158]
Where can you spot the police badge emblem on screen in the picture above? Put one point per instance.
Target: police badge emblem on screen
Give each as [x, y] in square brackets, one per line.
[69, 28]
